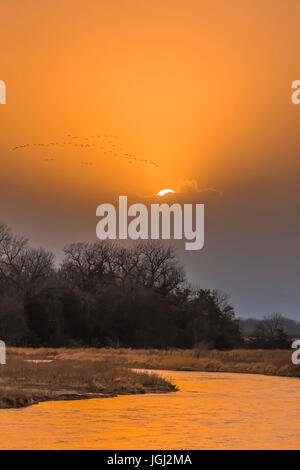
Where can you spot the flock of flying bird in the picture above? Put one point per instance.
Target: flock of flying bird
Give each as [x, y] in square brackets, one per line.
[107, 144]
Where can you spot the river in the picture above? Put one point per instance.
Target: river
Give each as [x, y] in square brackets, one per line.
[211, 411]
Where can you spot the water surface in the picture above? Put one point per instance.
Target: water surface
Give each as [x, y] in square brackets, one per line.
[211, 411]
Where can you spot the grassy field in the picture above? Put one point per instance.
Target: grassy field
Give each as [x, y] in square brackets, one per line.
[23, 382]
[268, 362]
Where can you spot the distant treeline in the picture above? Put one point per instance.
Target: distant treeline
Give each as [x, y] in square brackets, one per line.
[274, 331]
[104, 294]
[249, 325]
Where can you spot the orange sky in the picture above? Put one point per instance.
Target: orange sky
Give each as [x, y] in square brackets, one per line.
[188, 85]
[202, 89]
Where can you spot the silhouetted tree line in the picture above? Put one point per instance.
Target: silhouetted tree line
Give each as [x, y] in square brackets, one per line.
[104, 294]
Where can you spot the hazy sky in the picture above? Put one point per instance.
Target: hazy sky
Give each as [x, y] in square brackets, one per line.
[129, 97]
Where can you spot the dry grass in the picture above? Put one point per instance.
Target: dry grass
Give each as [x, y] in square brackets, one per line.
[268, 362]
[23, 383]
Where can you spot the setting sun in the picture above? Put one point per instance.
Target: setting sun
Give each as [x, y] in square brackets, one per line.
[165, 191]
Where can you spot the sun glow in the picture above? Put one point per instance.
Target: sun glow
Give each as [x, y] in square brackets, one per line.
[165, 191]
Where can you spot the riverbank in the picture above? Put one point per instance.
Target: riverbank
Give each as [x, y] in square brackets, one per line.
[252, 361]
[29, 378]
[34, 375]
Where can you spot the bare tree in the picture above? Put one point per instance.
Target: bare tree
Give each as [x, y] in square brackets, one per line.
[270, 332]
[38, 264]
[127, 266]
[86, 264]
[148, 264]
[159, 267]
[21, 265]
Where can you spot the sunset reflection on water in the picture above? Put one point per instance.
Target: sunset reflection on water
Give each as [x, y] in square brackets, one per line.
[211, 411]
